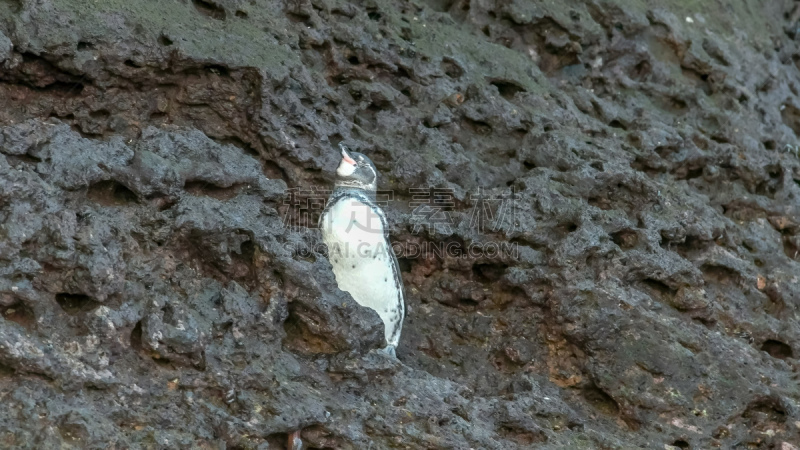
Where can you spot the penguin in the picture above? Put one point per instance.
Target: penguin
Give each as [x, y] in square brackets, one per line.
[294, 442]
[354, 228]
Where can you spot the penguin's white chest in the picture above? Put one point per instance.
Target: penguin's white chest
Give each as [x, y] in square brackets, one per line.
[362, 260]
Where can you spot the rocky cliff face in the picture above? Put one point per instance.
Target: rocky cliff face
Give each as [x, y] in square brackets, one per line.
[616, 188]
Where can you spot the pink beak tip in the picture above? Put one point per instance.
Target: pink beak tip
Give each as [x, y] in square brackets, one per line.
[346, 158]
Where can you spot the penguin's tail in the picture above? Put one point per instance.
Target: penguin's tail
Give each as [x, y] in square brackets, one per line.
[390, 350]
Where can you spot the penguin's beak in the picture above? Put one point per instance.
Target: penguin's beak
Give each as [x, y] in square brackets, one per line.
[348, 165]
[345, 156]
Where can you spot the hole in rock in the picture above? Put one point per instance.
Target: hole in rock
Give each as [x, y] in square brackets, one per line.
[488, 272]
[6, 371]
[18, 313]
[625, 238]
[111, 193]
[599, 399]
[209, 9]
[617, 124]
[777, 349]
[468, 303]
[136, 337]
[451, 68]
[74, 304]
[198, 187]
[508, 89]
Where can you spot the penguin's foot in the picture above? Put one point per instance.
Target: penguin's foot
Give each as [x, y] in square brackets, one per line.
[389, 350]
[295, 443]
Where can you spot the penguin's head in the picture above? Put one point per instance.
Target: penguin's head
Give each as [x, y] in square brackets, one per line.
[356, 171]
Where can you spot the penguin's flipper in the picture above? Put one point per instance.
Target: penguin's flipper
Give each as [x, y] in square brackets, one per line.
[398, 280]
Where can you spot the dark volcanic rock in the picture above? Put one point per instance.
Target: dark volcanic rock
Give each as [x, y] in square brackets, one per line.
[598, 205]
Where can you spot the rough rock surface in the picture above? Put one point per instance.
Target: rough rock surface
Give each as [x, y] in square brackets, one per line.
[637, 159]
